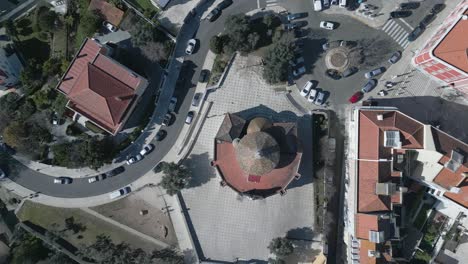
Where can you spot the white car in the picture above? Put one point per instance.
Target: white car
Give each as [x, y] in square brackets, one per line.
[135, 159]
[121, 192]
[327, 25]
[97, 178]
[318, 5]
[312, 95]
[147, 149]
[63, 180]
[305, 91]
[109, 26]
[190, 46]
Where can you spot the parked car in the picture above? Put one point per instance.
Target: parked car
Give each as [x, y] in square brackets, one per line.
[158, 167]
[409, 5]
[318, 5]
[374, 72]
[295, 16]
[115, 171]
[224, 4]
[161, 134]
[334, 2]
[299, 71]
[190, 46]
[147, 149]
[63, 180]
[395, 57]
[295, 25]
[134, 159]
[97, 178]
[306, 89]
[189, 118]
[55, 120]
[121, 192]
[327, 25]
[312, 95]
[297, 61]
[299, 33]
[214, 14]
[204, 74]
[196, 99]
[356, 97]
[437, 8]
[172, 104]
[427, 19]
[109, 26]
[416, 33]
[333, 74]
[326, 3]
[167, 120]
[320, 98]
[2, 174]
[350, 71]
[369, 86]
[330, 45]
[398, 14]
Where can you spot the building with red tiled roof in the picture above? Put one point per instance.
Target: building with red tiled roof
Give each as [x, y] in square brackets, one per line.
[108, 11]
[100, 89]
[390, 145]
[256, 157]
[445, 54]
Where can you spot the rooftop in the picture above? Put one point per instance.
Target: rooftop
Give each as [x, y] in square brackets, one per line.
[109, 12]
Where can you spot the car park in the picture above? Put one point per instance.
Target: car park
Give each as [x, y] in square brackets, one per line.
[214, 14]
[204, 74]
[2, 174]
[224, 4]
[189, 118]
[327, 25]
[120, 192]
[134, 159]
[427, 19]
[400, 14]
[395, 57]
[299, 71]
[350, 71]
[161, 134]
[369, 86]
[312, 95]
[147, 149]
[437, 8]
[109, 26]
[356, 97]
[415, 33]
[374, 72]
[190, 46]
[318, 5]
[167, 120]
[409, 5]
[196, 99]
[172, 104]
[97, 178]
[297, 61]
[320, 98]
[306, 89]
[63, 180]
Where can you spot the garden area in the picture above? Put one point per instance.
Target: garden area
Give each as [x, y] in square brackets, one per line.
[263, 36]
[432, 231]
[145, 7]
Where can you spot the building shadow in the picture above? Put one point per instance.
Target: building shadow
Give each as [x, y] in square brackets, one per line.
[302, 240]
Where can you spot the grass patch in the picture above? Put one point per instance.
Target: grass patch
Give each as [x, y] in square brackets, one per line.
[53, 219]
[145, 6]
[220, 63]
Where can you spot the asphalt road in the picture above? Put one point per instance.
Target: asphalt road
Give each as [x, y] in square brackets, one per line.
[42, 183]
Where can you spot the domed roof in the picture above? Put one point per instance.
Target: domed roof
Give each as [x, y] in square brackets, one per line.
[258, 124]
[258, 153]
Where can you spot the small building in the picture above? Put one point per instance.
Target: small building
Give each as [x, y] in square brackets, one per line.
[444, 56]
[109, 12]
[256, 157]
[10, 68]
[100, 89]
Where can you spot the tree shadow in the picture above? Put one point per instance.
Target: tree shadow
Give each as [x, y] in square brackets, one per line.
[202, 171]
[304, 132]
[302, 240]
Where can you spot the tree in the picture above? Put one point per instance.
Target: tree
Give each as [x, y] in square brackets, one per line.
[217, 44]
[59, 258]
[237, 29]
[11, 29]
[175, 178]
[277, 62]
[28, 249]
[143, 34]
[168, 256]
[281, 247]
[26, 110]
[89, 24]
[51, 67]
[276, 261]
[70, 224]
[45, 18]
[15, 133]
[60, 104]
[252, 40]
[9, 102]
[43, 98]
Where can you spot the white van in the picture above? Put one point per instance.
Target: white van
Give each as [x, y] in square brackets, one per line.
[318, 5]
[342, 3]
[120, 192]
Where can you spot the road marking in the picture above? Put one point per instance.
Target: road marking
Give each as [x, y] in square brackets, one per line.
[405, 44]
[398, 36]
[396, 33]
[389, 22]
[402, 38]
[406, 23]
[270, 1]
[258, 3]
[271, 4]
[391, 31]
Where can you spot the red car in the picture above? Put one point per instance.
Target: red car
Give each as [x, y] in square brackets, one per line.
[356, 97]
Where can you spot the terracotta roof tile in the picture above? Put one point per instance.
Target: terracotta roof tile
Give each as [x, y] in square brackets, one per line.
[445, 143]
[368, 138]
[371, 172]
[109, 12]
[366, 223]
[461, 197]
[447, 178]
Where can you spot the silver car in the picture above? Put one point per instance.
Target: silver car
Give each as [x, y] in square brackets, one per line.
[374, 72]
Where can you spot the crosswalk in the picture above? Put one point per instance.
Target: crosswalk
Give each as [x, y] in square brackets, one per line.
[396, 32]
[271, 3]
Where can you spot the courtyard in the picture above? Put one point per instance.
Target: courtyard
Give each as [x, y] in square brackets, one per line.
[226, 226]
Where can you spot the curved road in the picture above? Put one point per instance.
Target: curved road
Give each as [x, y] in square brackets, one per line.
[80, 188]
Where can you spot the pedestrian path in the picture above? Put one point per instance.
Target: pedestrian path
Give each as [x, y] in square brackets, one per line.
[396, 32]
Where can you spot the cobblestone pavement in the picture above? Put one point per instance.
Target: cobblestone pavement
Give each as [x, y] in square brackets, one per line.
[229, 226]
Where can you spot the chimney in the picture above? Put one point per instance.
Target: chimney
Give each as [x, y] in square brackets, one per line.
[380, 117]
